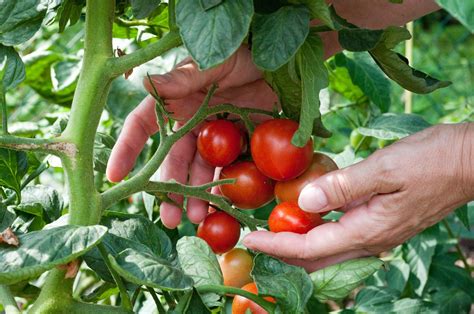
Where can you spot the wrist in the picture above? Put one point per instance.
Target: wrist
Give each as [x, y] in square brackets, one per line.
[466, 158]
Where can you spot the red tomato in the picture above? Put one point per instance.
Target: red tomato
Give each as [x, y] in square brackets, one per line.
[289, 191]
[241, 305]
[220, 142]
[236, 266]
[289, 217]
[273, 152]
[251, 190]
[220, 230]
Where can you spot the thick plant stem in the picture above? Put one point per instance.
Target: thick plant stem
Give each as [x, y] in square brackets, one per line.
[7, 300]
[3, 103]
[55, 294]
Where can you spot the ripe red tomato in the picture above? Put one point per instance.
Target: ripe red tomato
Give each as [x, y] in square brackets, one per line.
[252, 188]
[273, 152]
[289, 217]
[240, 304]
[236, 266]
[220, 142]
[289, 191]
[220, 230]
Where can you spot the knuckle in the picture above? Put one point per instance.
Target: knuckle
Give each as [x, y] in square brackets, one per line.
[343, 190]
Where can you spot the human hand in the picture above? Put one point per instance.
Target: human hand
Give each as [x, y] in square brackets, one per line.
[387, 198]
[183, 90]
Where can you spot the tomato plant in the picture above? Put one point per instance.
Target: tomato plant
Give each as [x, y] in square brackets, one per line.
[289, 191]
[220, 142]
[273, 152]
[236, 266]
[287, 216]
[242, 305]
[71, 72]
[220, 230]
[252, 189]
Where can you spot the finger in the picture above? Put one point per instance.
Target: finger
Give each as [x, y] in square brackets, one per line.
[176, 166]
[341, 187]
[187, 79]
[138, 127]
[311, 266]
[200, 173]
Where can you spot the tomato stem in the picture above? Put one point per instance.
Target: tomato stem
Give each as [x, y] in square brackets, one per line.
[8, 301]
[267, 305]
[159, 306]
[458, 247]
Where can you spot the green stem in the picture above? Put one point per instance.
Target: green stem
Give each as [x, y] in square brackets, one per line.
[159, 306]
[55, 294]
[55, 146]
[267, 305]
[172, 15]
[169, 299]
[3, 103]
[8, 301]
[458, 247]
[126, 303]
[122, 64]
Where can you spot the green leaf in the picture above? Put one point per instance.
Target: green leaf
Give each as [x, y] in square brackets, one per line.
[365, 74]
[392, 126]
[200, 263]
[213, 35]
[406, 306]
[42, 250]
[47, 197]
[396, 66]
[318, 10]
[13, 167]
[370, 297]
[103, 145]
[7, 216]
[461, 10]
[142, 8]
[12, 69]
[20, 20]
[64, 76]
[341, 82]
[463, 214]
[337, 281]
[276, 37]
[452, 301]
[418, 252]
[190, 303]
[69, 11]
[359, 39]
[290, 285]
[209, 4]
[149, 270]
[314, 77]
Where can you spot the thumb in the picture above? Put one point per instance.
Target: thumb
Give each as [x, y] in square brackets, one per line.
[341, 187]
[182, 81]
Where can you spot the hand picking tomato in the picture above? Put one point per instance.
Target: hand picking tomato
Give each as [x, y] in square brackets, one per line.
[236, 266]
[220, 230]
[252, 188]
[289, 191]
[240, 304]
[220, 142]
[289, 217]
[273, 152]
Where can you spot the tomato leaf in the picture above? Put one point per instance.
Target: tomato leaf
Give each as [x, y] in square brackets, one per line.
[463, 214]
[20, 20]
[461, 10]
[142, 8]
[314, 77]
[395, 276]
[405, 306]
[396, 66]
[337, 281]
[191, 303]
[200, 263]
[42, 250]
[370, 297]
[209, 4]
[318, 10]
[148, 269]
[359, 39]
[12, 69]
[211, 36]
[69, 11]
[290, 285]
[7, 216]
[277, 36]
[452, 300]
[393, 126]
[46, 197]
[13, 167]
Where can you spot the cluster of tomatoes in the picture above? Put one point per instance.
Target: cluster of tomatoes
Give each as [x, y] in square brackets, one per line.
[276, 168]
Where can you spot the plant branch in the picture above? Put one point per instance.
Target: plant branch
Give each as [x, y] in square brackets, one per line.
[8, 301]
[172, 15]
[122, 64]
[458, 247]
[3, 103]
[267, 305]
[55, 146]
[159, 306]
[126, 303]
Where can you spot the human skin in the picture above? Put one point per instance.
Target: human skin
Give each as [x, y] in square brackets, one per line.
[241, 83]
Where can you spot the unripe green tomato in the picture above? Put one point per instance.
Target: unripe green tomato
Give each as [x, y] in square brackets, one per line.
[355, 139]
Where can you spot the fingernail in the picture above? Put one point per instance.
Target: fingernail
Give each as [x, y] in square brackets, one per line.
[161, 79]
[313, 199]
